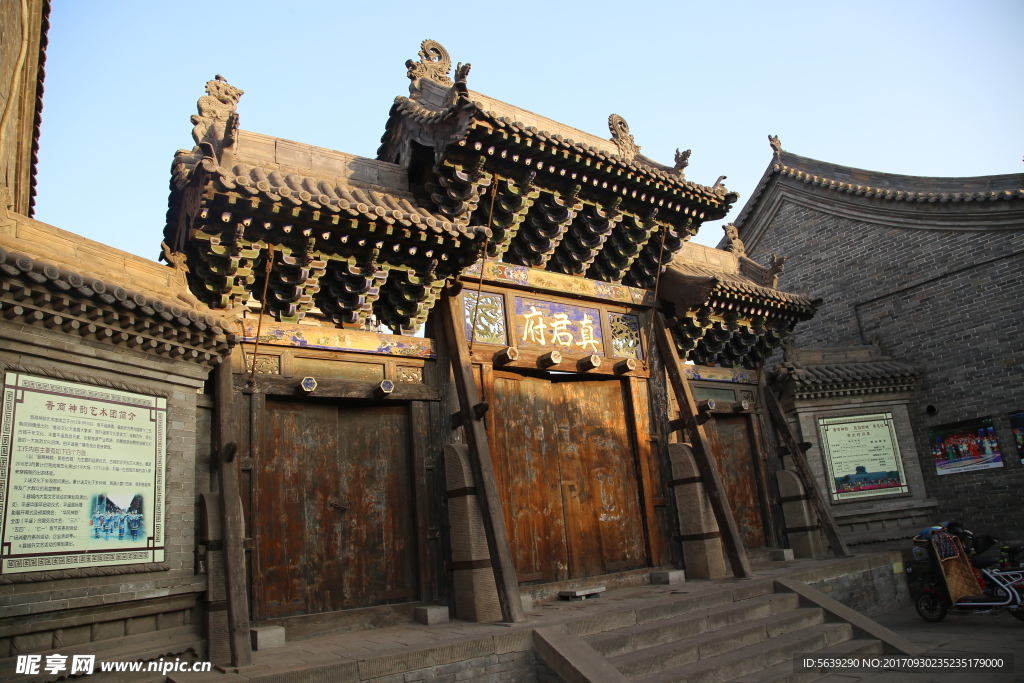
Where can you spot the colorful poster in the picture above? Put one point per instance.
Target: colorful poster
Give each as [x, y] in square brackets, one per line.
[862, 455]
[1017, 425]
[965, 446]
[82, 470]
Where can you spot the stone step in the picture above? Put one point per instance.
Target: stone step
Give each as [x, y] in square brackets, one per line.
[715, 643]
[661, 631]
[686, 604]
[731, 666]
[785, 672]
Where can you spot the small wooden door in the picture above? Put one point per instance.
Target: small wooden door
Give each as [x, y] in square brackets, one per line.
[333, 519]
[567, 477]
[734, 452]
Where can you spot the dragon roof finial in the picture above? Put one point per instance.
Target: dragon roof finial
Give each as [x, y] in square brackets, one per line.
[621, 137]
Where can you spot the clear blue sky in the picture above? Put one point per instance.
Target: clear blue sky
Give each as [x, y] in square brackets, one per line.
[922, 88]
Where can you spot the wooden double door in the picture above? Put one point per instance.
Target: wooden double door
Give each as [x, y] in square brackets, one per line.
[566, 471]
[333, 519]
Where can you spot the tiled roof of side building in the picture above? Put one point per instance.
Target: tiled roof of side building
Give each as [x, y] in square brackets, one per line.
[904, 191]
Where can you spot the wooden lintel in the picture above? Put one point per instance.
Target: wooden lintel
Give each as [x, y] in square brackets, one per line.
[527, 359]
[336, 388]
[796, 451]
[232, 519]
[480, 462]
[702, 453]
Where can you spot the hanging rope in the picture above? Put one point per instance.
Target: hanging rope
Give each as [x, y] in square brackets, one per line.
[657, 280]
[263, 306]
[483, 260]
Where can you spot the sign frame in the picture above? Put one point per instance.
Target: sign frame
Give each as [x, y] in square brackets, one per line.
[52, 433]
[861, 438]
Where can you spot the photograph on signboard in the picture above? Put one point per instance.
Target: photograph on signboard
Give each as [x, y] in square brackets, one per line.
[862, 456]
[1017, 426]
[965, 446]
[82, 473]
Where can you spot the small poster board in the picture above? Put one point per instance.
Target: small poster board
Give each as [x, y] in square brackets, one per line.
[965, 446]
[82, 471]
[862, 456]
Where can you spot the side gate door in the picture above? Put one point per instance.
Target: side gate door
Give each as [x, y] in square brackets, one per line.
[333, 523]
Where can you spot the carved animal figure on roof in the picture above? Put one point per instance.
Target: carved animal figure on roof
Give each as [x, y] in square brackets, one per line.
[216, 123]
[776, 265]
[621, 137]
[459, 88]
[682, 161]
[735, 243]
[773, 140]
[434, 65]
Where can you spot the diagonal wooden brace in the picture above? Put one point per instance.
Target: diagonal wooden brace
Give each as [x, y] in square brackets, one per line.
[796, 450]
[713, 487]
[473, 410]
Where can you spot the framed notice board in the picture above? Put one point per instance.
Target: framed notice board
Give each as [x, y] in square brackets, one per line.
[862, 456]
[82, 470]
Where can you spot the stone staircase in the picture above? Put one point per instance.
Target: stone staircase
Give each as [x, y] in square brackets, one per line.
[748, 634]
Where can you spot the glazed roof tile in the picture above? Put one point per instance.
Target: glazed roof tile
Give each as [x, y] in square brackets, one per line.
[14, 265]
[495, 113]
[736, 283]
[847, 372]
[333, 195]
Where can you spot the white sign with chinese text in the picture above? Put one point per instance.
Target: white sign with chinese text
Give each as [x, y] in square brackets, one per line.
[862, 456]
[82, 472]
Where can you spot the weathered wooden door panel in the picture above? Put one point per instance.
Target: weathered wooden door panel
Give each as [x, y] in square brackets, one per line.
[282, 550]
[335, 521]
[598, 465]
[732, 445]
[527, 473]
[566, 472]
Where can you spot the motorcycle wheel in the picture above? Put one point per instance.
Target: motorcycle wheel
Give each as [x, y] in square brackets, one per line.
[931, 608]
[1018, 613]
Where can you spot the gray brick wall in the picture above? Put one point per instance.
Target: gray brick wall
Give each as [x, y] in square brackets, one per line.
[949, 302]
[65, 609]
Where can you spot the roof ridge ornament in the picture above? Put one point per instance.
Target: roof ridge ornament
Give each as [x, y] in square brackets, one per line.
[434, 65]
[773, 140]
[215, 125]
[776, 264]
[621, 137]
[459, 89]
[735, 245]
[682, 160]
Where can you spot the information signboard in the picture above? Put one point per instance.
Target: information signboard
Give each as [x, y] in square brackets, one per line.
[81, 476]
[862, 456]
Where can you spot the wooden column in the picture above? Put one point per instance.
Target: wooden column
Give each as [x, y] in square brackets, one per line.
[480, 460]
[828, 524]
[233, 522]
[713, 487]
